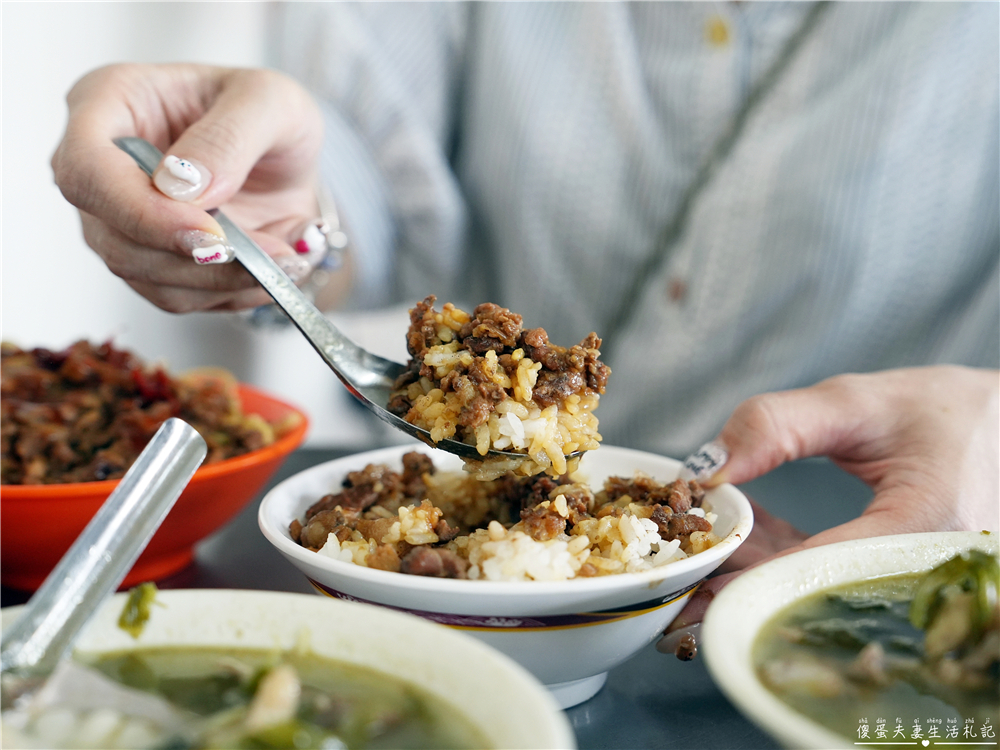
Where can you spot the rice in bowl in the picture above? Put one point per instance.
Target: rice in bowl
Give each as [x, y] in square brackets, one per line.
[483, 380]
[513, 528]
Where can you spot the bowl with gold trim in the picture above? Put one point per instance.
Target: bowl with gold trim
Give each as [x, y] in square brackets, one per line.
[568, 633]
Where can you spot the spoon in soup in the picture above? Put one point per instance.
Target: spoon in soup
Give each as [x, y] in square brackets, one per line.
[368, 377]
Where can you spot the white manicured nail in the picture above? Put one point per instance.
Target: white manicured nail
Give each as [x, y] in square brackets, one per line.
[207, 248]
[181, 179]
[213, 254]
[704, 462]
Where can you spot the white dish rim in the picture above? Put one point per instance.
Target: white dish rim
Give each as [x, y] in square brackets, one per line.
[278, 536]
[728, 652]
[312, 617]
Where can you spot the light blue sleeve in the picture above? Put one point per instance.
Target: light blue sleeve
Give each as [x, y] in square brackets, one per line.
[387, 76]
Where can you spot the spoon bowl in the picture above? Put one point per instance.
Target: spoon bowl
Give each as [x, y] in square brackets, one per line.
[367, 376]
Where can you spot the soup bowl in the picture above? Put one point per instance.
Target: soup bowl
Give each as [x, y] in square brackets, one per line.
[736, 617]
[504, 704]
[567, 633]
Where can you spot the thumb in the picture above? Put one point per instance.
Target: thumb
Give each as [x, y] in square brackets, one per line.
[770, 429]
[260, 123]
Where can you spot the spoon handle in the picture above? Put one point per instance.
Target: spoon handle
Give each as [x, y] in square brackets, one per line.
[358, 368]
[368, 377]
[105, 551]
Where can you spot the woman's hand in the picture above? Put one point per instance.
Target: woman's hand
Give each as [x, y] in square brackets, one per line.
[924, 439]
[244, 139]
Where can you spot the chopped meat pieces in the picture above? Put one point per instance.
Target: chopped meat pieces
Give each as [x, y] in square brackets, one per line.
[84, 414]
[543, 523]
[420, 522]
[677, 525]
[384, 557]
[556, 387]
[494, 323]
[697, 493]
[463, 367]
[415, 465]
[445, 533]
[374, 528]
[315, 532]
[433, 562]
[679, 496]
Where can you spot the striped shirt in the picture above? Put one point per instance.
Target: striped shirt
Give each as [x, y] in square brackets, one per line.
[761, 194]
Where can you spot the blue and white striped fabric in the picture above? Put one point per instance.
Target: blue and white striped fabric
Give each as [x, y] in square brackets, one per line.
[532, 154]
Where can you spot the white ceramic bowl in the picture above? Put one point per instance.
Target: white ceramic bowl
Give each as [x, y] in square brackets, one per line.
[567, 633]
[505, 703]
[737, 614]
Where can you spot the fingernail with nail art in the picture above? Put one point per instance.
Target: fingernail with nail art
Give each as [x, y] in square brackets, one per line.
[294, 267]
[207, 248]
[704, 462]
[313, 240]
[682, 643]
[213, 254]
[181, 179]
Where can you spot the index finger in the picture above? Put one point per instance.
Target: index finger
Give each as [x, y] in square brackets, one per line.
[98, 178]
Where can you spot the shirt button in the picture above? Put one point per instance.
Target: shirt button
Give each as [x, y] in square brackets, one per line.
[676, 289]
[717, 31]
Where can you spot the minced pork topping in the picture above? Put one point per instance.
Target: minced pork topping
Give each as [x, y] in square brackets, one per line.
[451, 525]
[485, 380]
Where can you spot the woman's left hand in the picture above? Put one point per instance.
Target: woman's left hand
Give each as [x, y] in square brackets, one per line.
[924, 439]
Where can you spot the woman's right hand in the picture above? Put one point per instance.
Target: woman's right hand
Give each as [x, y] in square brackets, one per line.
[253, 138]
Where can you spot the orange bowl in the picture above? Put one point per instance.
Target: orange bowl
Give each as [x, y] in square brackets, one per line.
[38, 523]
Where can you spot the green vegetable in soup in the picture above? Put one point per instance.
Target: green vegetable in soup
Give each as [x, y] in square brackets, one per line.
[905, 648]
[178, 698]
[973, 573]
[256, 699]
[135, 613]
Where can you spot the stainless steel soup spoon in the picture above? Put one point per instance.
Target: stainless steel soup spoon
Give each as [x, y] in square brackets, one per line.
[367, 376]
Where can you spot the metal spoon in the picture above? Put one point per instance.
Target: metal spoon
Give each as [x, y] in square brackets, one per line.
[105, 551]
[367, 376]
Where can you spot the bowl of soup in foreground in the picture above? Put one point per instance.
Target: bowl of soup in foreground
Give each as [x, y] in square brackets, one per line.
[568, 633]
[819, 650]
[360, 676]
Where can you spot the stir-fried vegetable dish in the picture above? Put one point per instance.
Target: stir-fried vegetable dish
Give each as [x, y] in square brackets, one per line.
[85, 413]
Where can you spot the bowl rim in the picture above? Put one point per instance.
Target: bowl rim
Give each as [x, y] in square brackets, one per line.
[311, 612]
[279, 537]
[280, 447]
[728, 655]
